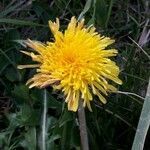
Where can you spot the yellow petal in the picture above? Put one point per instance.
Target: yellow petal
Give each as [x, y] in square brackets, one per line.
[54, 26]
[28, 66]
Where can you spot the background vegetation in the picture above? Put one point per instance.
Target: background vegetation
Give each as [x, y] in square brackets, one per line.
[110, 127]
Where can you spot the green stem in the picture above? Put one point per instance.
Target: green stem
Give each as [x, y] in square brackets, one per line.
[43, 146]
[82, 127]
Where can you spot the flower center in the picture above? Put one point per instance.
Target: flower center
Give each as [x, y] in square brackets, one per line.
[70, 59]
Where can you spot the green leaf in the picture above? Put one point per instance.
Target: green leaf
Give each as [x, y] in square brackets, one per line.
[66, 116]
[21, 94]
[20, 22]
[10, 9]
[16, 75]
[2, 138]
[53, 138]
[101, 12]
[86, 8]
[65, 141]
[11, 74]
[13, 122]
[3, 64]
[30, 137]
[29, 116]
[9, 36]
[92, 20]
[37, 96]
[42, 11]
[143, 124]
[53, 102]
[51, 122]
[109, 12]
[7, 57]
[75, 136]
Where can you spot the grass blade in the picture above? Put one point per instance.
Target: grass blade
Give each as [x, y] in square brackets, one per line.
[109, 13]
[20, 22]
[143, 124]
[10, 9]
[86, 8]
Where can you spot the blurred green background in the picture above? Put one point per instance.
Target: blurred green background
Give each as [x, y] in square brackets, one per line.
[110, 127]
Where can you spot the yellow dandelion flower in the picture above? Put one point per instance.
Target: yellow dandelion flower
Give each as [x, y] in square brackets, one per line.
[76, 62]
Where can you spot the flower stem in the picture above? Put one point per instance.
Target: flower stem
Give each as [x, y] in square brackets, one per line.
[43, 146]
[82, 127]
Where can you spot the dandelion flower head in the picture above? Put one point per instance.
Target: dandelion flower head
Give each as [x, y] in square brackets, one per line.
[75, 62]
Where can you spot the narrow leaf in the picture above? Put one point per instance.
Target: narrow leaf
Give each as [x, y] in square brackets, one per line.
[20, 22]
[30, 137]
[143, 124]
[86, 8]
[10, 9]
